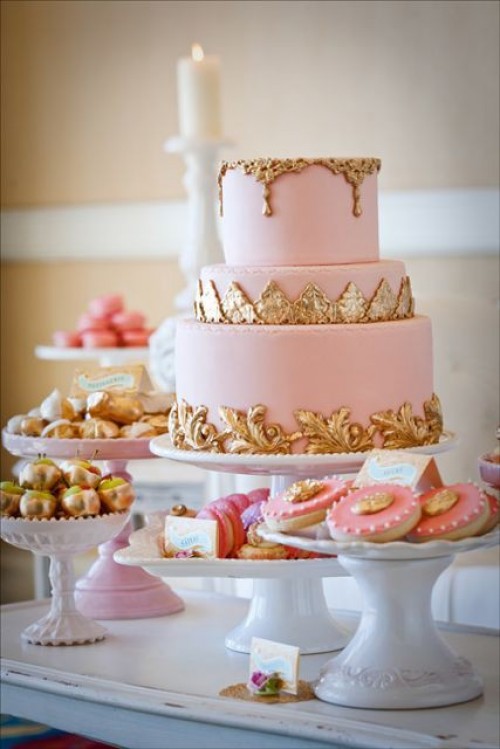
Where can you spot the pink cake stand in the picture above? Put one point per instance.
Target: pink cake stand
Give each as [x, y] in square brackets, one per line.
[108, 590]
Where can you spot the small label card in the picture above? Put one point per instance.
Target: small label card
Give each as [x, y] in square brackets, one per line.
[272, 662]
[190, 537]
[418, 472]
[130, 379]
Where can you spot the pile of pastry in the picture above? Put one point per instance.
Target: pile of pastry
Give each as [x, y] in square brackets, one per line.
[99, 415]
[74, 489]
[106, 324]
[378, 513]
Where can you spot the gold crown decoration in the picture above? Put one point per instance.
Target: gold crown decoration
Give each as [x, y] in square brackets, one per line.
[312, 307]
[266, 171]
[247, 431]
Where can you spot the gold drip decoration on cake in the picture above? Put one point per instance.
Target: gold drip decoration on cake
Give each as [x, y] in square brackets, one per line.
[266, 171]
[312, 307]
[404, 429]
[248, 433]
[334, 434]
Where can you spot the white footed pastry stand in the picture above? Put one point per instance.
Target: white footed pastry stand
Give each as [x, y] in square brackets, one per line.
[60, 540]
[107, 357]
[288, 602]
[397, 658]
[107, 590]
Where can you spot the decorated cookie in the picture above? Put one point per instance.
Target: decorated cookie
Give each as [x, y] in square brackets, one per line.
[377, 513]
[451, 512]
[494, 517]
[304, 503]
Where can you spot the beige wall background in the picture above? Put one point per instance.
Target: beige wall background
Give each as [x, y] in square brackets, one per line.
[89, 90]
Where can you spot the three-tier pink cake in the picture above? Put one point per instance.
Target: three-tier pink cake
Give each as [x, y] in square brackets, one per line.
[304, 341]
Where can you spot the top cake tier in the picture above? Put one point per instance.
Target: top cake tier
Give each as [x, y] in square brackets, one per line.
[299, 211]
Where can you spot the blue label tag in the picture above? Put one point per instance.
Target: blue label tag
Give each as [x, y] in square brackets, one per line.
[400, 473]
[120, 380]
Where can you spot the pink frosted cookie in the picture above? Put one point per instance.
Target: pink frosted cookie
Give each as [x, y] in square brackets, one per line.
[105, 306]
[99, 339]
[451, 512]
[494, 517]
[379, 513]
[128, 321]
[304, 503]
[66, 339]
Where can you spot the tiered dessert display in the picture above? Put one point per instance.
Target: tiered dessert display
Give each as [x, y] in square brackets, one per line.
[305, 356]
[110, 416]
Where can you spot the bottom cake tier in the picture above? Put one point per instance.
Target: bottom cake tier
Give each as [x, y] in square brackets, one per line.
[305, 389]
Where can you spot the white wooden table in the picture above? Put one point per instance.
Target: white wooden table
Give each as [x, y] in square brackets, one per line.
[155, 683]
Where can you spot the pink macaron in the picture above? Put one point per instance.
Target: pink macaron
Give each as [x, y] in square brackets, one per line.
[137, 338]
[66, 339]
[106, 305]
[128, 320]
[99, 339]
[91, 322]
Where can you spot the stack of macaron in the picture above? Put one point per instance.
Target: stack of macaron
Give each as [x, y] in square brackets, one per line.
[74, 489]
[106, 324]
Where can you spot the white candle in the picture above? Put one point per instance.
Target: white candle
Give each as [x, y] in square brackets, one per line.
[198, 83]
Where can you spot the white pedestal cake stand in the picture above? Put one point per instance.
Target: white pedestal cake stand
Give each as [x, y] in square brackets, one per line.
[60, 540]
[288, 602]
[396, 658]
[107, 590]
[106, 357]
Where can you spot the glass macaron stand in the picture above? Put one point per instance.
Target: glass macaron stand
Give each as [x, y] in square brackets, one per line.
[396, 658]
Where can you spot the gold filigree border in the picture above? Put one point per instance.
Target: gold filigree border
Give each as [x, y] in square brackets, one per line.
[247, 433]
[312, 307]
[266, 171]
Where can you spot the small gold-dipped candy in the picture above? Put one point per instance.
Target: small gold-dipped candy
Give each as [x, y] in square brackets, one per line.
[181, 510]
[10, 496]
[61, 429]
[116, 494]
[99, 429]
[300, 491]
[124, 409]
[372, 503]
[38, 504]
[440, 502]
[80, 502]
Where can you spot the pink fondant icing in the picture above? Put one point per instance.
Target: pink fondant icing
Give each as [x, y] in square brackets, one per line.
[279, 507]
[321, 368]
[468, 514]
[312, 221]
[342, 521]
[332, 280]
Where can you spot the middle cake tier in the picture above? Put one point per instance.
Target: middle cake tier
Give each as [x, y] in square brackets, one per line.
[305, 388]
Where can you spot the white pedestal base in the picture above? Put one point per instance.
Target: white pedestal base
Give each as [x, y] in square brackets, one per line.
[289, 611]
[397, 658]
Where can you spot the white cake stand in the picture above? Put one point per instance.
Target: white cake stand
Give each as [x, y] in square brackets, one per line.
[288, 603]
[396, 659]
[107, 590]
[60, 540]
[106, 357]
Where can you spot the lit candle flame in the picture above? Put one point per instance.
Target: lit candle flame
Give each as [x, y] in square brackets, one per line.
[197, 52]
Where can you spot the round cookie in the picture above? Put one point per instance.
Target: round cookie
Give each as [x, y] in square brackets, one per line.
[451, 512]
[378, 513]
[304, 503]
[494, 516]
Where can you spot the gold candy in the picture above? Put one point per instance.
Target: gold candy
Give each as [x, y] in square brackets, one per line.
[372, 503]
[300, 491]
[124, 409]
[440, 502]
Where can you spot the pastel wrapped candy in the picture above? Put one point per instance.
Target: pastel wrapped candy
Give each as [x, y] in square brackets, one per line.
[124, 409]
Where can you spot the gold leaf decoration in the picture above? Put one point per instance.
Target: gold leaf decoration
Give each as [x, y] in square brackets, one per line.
[440, 502]
[189, 429]
[273, 307]
[351, 305]
[266, 171]
[301, 491]
[199, 312]
[404, 429]
[405, 303]
[335, 434]
[211, 305]
[382, 304]
[313, 307]
[236, 306]
[372, 503]
[249, 435]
